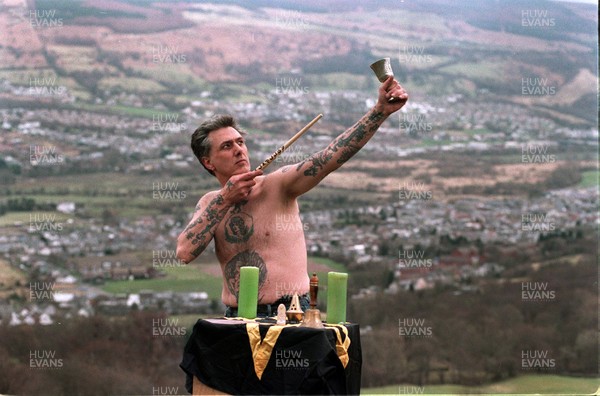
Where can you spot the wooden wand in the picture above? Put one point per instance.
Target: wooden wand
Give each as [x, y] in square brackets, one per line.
[288, 143]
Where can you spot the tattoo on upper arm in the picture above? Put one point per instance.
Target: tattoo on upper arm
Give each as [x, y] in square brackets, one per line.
[194, 223]
[319, 160]
[348, 144]
[213, 216]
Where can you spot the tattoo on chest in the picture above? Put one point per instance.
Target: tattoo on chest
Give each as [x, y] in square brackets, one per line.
[247, 258]
[239, 227]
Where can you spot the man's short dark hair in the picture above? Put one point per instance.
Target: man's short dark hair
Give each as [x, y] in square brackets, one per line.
[200, 142]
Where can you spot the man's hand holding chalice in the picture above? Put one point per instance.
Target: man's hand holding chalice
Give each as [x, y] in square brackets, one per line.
[391, 97]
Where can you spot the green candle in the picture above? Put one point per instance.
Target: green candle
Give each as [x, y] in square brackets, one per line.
[248, 293]
[337, 285]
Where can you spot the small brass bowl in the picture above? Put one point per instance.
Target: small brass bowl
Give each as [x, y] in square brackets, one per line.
[294, 316]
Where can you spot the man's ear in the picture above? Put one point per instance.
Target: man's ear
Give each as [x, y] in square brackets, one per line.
[207, 164]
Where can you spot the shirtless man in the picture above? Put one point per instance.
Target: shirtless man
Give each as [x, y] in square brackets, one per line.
[243, 215]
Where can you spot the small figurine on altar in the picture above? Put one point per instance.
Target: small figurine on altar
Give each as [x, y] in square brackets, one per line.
[281, 316]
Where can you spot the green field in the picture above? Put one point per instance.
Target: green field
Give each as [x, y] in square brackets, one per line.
[94, 206]
[333, 265]
[427, 142]
[191, 278]
[10, 276]
[104, 183]
[485, 70]
[524, 385]
[131, 84]
[118, 109]
[24, 77]
[336, 81]
[128, 195]
[131, 195]
[27, 218]
[589, 178]
[176, 74]
[187, 278]
[479, 131]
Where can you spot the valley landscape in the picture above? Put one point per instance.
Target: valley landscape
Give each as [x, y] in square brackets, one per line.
[471, 216]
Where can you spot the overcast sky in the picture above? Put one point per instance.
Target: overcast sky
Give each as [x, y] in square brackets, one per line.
[582, 1]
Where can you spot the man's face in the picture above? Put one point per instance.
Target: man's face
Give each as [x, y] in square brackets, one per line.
[228, 153]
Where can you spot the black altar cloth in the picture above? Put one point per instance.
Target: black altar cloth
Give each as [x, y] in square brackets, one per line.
[302, 360]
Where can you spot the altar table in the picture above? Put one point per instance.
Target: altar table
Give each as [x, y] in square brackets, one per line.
[236, 356]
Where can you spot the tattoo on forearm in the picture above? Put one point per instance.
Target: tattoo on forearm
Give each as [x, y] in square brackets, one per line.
[347, 144]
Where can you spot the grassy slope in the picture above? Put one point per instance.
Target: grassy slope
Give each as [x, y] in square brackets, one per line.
[526, 384]
[590, 178]
[191, 278]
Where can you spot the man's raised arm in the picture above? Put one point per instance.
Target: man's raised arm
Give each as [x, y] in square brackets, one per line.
[300, 178]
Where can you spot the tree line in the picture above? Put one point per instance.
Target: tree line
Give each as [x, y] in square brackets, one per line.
[482, 335]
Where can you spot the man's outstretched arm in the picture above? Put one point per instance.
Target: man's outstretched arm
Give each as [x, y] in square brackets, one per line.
[300, 178]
